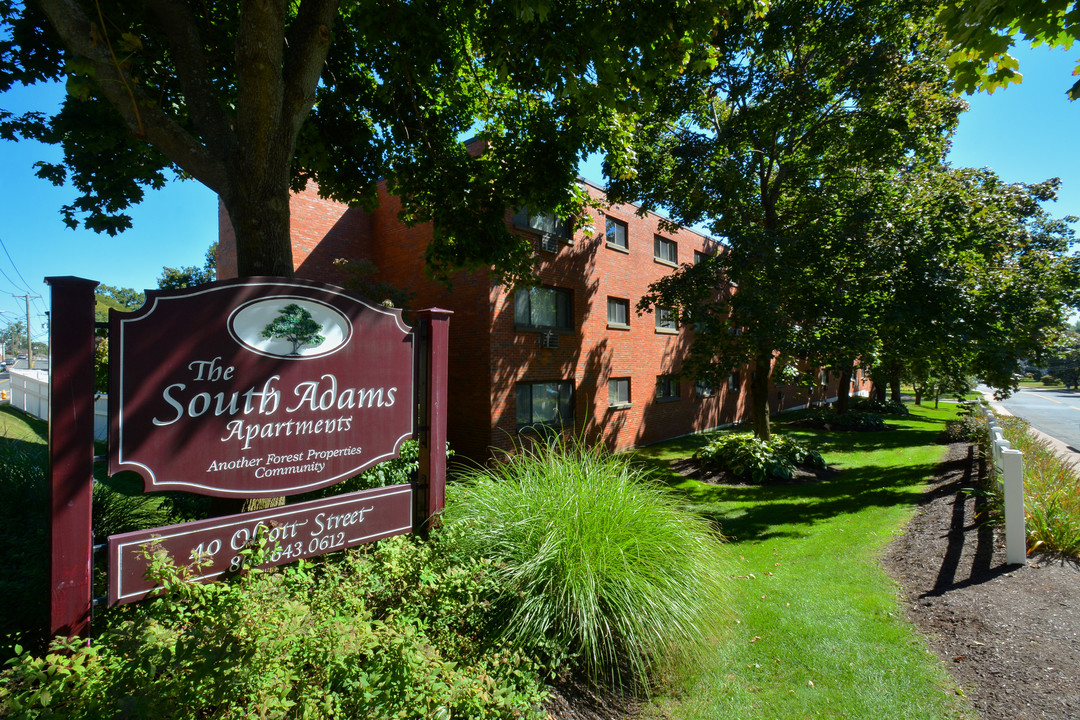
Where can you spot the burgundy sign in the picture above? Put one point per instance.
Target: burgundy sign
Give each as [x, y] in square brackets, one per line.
[256, 388]
[294, 531]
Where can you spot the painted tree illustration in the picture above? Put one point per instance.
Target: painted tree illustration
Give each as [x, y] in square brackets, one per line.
[296, 325]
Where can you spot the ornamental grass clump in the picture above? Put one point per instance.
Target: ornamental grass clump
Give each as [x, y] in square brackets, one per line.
[608, 568]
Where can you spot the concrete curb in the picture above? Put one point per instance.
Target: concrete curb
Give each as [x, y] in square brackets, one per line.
[1067, 453]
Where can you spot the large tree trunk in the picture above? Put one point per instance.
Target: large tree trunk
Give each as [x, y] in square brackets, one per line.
[759, 394]
[894, 384]
[880, 387]
[260, 220]
[843, 392]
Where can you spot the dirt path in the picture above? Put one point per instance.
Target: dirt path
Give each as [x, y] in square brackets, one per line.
[1008, 634]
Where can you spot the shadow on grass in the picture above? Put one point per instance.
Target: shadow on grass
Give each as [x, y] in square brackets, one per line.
[755, 513]
[760, 512]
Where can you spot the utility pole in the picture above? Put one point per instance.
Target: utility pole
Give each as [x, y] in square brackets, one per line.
[29, 347]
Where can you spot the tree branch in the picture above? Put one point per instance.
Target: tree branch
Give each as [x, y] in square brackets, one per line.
[304, 60]
[161, 131]
[188, 51]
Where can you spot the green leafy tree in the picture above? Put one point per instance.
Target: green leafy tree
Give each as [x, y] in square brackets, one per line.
[296, 325]
[189, 275]
[1064, 359]
[14, 337]
[982, 278]
[108, 297]
[766, 150]
[256, 99]
[982, 33]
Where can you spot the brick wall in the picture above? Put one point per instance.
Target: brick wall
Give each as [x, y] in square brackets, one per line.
[398, 251]
[593, 353]
[490, 354]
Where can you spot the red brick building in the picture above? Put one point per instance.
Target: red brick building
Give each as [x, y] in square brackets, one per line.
[573, 347]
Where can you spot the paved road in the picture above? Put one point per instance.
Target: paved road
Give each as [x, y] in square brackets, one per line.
[1055, 412]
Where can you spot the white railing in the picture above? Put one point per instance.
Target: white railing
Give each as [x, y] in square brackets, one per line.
[30, 394]
[1010, 463]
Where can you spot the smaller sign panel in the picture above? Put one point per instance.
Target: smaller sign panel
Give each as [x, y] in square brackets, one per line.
[297, 531]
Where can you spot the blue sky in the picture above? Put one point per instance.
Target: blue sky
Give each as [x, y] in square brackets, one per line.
[1027, 133]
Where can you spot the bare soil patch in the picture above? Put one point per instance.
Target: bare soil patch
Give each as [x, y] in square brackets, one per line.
[1008, 634]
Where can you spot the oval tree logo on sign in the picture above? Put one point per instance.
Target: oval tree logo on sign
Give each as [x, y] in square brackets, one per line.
[292, 328]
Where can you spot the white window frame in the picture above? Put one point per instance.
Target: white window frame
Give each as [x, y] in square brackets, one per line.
[660, 251]
[625, 305]
[611, 228]
[615, 396]
[524, 299]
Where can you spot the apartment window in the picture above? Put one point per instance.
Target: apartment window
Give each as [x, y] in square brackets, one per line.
[544, 403]
[545, 224]
[667, 387]
[544, 307]
[618, 312]
[615, 234]
[824, 376]
[704, 389]
[665, 251]
[700, 257]
[665, 320]
[733, 382]
[618, 392]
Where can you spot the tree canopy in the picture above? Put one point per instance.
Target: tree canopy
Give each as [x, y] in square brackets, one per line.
[772, 150]
[189, 275]
[252, 99]
[982, 277]
[981, 35]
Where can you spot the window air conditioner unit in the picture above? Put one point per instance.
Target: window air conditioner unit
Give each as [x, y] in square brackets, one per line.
[549, 339]
[549, 243]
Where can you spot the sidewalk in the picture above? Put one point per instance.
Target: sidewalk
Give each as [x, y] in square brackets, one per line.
[1064, 451]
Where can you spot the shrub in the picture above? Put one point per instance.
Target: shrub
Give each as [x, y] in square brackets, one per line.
[396, 631]
[24, 540]
[880, 407]
[608, 568]
[969, 428]
[24, 534]
[851, 420]
[394, 471]
[745, 455]
[1049, 380]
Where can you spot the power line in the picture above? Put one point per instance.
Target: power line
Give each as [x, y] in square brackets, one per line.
[26, 285]
[14, 284]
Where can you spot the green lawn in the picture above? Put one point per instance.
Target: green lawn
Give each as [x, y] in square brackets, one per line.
[1039, 385]
[16, 426]
[819, 632]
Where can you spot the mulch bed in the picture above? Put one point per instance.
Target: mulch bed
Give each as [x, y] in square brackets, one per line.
[1008, 634]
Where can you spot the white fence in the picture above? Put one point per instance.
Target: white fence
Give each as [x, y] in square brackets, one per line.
[30, 393]
[1010, 463]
